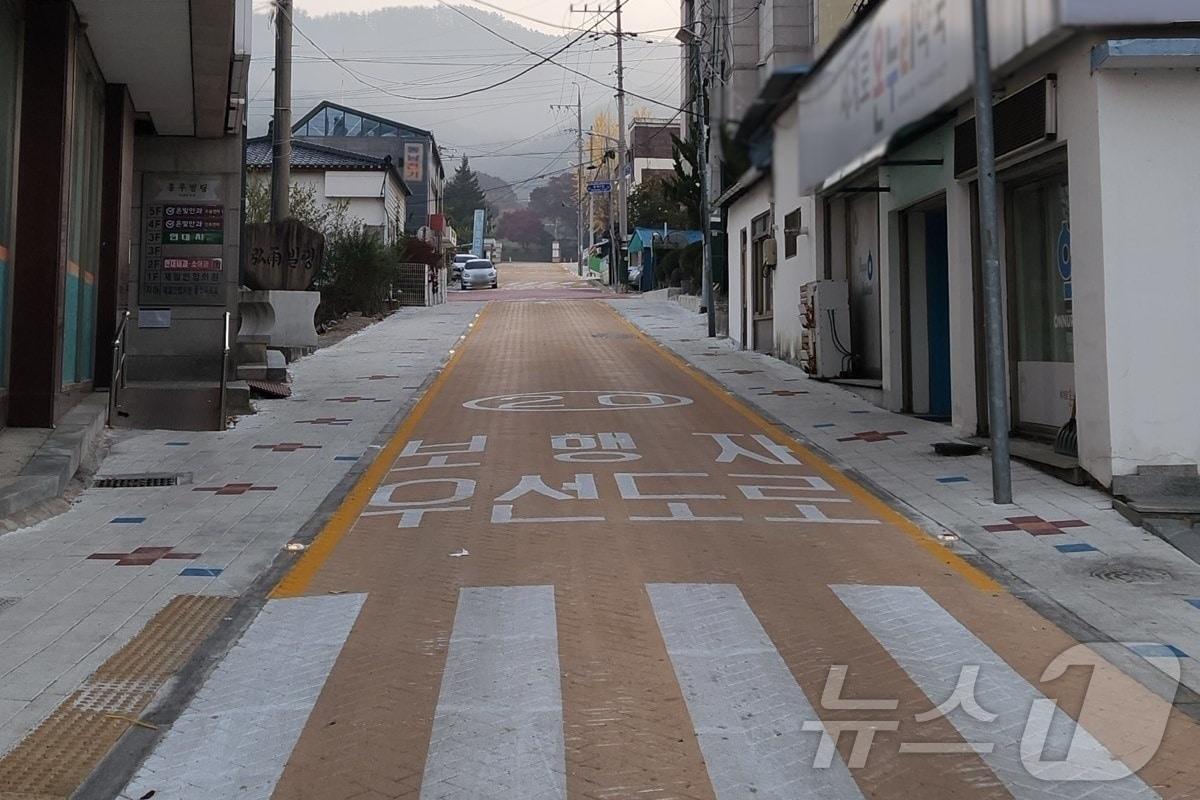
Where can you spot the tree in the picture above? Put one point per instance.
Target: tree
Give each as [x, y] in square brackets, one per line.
[524, 227]
[684, 186]
[651, 207]
[554, 202]
[462, 196]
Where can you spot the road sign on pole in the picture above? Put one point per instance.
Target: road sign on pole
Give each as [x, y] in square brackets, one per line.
[599, 187]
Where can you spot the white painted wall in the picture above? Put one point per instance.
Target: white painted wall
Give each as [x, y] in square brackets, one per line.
[794, 272]
[375, 198]
[1150, 198]
[754, 202]
[640, 165]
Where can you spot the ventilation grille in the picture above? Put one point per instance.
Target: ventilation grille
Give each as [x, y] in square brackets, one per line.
[1023, 119]
[147, 479]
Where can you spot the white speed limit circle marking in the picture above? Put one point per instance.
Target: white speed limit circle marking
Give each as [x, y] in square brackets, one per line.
[578, 400]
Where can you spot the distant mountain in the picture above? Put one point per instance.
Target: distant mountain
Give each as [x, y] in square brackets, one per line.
[509, 131]
[500, 195]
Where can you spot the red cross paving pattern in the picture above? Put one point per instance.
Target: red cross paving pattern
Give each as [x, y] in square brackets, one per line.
[235, 488]
[1036, 525]
[287, 447]
[143, 556]
[872, 436]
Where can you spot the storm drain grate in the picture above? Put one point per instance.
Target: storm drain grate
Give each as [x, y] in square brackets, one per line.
[147, 479]
[53, 760]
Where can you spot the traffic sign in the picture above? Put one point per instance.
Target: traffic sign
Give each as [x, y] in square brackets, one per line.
[599, 187]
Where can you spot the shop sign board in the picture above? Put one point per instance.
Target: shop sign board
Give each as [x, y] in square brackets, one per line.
[414, 162]
[907, 60]
[183, 238]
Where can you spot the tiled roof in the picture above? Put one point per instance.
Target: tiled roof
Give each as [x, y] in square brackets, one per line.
[310, 156]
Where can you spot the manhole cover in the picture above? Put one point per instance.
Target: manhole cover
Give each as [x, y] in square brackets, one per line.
[147, 479]
[1132, 573]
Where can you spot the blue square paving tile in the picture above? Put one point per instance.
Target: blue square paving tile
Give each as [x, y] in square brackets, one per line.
[177, 444]
[954, 479]
[860, 412]
[345, 458]
[201, 572]
[1194, 602]
[824, 425]
[1075, 548]
[127, 520]
[1157, 650]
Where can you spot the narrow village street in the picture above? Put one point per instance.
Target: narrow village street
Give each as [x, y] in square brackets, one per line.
[578, 567]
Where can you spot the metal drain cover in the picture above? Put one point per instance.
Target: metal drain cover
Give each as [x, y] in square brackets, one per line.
[141, 480]
[1131, 572]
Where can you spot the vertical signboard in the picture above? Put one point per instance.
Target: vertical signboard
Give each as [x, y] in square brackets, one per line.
[414, 162]
[477, 238]
[183, 241]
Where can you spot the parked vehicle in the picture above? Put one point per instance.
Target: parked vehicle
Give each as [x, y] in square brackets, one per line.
[479, 272]
[460, 259]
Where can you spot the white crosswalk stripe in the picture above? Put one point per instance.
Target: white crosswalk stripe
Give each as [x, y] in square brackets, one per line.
[934, 649]
[236, 735]
[498, 728]
[748, 711]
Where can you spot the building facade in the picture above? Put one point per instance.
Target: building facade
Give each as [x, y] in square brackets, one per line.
[121, 129]
[413, 150]
[371, 188]
[1096, 104]
[652, 148]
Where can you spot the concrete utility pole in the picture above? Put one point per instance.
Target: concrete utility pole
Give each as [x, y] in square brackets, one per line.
[621, 181]
[702, 157]
[989, 227]
[281, 144]
[579, 188]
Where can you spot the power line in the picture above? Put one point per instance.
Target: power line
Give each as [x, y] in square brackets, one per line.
[544, 59]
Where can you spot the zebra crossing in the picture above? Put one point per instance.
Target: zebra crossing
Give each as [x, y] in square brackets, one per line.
[497, 731]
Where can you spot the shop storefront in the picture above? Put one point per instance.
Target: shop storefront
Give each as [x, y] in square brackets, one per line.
[1097, 215]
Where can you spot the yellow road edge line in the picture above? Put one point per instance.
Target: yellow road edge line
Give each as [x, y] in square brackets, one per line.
[969, 572]
[297, 579]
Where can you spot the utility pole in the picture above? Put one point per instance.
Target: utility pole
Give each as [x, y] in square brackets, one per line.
[281, 143]
[693, 41]
[578, 173]
[706, 227]
[624, 207]
[989, 225]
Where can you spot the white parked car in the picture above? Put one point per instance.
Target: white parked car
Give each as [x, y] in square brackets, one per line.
[479, 272]
[459, 260]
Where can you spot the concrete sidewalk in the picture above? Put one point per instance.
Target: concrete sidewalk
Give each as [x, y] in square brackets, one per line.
[1060, 547]
[76, 588]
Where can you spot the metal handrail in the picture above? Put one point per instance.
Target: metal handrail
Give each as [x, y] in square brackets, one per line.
[116, 378]
[224, 369]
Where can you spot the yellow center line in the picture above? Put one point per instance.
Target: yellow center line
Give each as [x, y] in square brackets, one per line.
[969, 572]
[298, 578]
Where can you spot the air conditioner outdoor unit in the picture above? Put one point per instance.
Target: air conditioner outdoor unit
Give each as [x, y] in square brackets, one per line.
[825, 338]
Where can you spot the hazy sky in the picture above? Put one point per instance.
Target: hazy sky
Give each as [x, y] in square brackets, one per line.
[637, 15]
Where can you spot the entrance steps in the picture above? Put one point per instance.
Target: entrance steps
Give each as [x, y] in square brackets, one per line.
[178, 405]
[1165, 500]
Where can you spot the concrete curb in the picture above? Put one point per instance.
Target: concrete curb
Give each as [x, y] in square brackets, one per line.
[57, 460]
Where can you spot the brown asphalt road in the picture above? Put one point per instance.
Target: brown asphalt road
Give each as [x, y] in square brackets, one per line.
[628, 729]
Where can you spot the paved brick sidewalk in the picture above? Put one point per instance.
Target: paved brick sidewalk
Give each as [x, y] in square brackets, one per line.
[1062, 547]
[76, 588]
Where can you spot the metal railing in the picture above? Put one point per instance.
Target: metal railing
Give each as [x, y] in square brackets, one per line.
[116, 379]
[224, 370]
